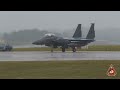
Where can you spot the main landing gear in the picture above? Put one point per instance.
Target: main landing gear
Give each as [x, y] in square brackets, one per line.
[63, 49]
[51, 49]
[74, 49]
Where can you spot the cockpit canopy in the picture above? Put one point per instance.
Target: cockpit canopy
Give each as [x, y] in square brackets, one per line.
[49, 35]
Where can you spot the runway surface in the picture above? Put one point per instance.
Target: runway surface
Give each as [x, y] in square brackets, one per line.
[48, 56]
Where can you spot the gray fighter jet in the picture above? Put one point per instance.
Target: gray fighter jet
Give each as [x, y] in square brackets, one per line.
[76, 41]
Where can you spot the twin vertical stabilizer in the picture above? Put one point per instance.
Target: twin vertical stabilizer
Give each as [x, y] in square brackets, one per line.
[90, 35]
[78, 33]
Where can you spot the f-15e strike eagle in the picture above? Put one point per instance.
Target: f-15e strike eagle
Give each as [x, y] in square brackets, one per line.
[54, 41]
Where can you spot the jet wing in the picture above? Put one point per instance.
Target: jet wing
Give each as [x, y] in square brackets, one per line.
[80, 40]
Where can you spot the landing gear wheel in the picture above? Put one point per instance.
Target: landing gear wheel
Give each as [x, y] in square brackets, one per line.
[73, 49]
[63, 49]
[51, 48]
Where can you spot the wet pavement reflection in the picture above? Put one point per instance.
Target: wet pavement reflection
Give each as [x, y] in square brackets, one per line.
[48, 56]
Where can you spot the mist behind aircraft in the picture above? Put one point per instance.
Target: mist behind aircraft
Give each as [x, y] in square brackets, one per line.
[58, 20]
[107, 23]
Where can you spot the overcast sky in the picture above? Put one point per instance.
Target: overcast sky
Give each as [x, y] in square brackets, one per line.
[17, 20]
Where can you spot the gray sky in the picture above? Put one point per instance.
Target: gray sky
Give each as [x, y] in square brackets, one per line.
[16, 20]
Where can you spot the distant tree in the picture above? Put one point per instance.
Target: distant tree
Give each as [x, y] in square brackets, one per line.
[24, 36]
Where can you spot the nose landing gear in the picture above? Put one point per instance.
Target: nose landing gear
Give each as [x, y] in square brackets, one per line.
[63, 49]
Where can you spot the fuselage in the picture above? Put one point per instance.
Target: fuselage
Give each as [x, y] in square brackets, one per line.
[56, 41]
[76, 41]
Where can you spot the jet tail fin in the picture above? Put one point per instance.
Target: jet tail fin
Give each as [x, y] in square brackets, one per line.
[78, 32]
[91, 33]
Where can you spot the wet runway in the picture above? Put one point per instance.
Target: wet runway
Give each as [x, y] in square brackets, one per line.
[48, 56]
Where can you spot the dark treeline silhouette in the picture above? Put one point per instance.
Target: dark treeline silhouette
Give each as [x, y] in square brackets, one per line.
[27, 36]
[24, 36]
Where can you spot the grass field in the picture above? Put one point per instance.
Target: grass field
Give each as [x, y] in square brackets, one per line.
[93, 69]
[91, 48]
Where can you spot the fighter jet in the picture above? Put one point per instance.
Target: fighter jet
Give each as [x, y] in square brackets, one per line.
[54, 41]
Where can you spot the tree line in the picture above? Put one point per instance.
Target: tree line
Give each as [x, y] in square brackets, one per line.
[24, 36]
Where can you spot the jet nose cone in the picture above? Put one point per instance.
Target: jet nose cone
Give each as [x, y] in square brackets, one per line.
[34, 43]
[38, 42]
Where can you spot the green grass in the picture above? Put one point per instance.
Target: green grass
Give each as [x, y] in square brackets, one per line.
[93, 69]
[104, 48]
[91, 48]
